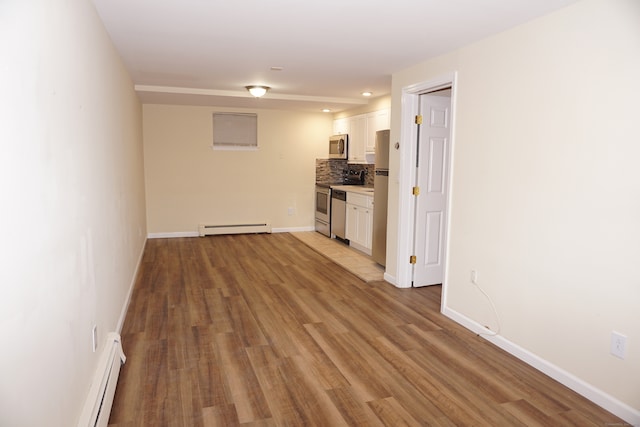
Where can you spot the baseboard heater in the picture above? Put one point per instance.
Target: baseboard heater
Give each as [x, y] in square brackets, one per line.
[210, 230]
[97, 407]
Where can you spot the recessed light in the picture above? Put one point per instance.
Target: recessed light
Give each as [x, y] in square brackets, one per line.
[277, 68]
[366, 94]
[326, 110]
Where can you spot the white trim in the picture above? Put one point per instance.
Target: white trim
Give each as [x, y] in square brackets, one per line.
[246, 94]
[407, 174]
[174, 234]
[234, 148]
[576, 384]
[293, 229]
[97, 406]
[452, 135]
[125, 306]
[406, 178]
[391, 279]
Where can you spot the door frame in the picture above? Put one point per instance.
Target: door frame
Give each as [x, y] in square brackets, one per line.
[409, 107]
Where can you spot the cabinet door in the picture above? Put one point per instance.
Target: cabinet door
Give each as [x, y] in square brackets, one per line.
[363, 227]
[368, 238]
[357, 135]
[351, 226]
[341, 126]
[383, 119]
[378, 120]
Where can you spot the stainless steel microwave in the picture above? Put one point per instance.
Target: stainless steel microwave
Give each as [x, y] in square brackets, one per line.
[338, 146]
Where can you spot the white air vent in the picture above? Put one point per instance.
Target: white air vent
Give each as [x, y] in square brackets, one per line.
[213, 229]
[98, 404]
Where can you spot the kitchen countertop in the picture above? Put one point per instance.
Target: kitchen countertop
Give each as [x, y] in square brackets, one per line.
[362, 189]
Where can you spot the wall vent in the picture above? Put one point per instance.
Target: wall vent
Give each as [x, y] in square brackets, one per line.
[97, 407]
[215, 229]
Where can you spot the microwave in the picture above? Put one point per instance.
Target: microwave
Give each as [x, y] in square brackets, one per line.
[338, 146]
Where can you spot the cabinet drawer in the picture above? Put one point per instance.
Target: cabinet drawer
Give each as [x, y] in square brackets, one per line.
[359, 199]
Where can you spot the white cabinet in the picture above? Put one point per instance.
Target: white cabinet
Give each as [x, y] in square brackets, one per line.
[357, 135]
[359, 221]
[378, 120]
[362, 132]
[341, 126]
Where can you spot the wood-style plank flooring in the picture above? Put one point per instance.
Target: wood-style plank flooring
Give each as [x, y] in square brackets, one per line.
[261, 330]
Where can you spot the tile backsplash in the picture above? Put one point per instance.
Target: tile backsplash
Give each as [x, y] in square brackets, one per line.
[330, 170]
[334, 170]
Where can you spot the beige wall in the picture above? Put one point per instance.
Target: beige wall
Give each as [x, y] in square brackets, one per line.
[546, 187]
[73, 204]
[374, 104]
[188, 183]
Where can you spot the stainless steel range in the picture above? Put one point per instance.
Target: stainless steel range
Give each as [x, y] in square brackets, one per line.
[337, 174]
[323, 209]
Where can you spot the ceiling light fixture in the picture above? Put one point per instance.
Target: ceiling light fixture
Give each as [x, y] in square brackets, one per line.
[326, 110]
[257, 91]
[366, 94]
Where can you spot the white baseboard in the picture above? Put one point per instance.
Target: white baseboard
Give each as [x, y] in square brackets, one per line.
[172, 235]
[175, 234]
[597, 396]
[293, 229]
[391, 279]
[125, 306]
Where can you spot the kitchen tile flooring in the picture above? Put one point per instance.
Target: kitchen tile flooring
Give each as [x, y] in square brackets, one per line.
[355, 261]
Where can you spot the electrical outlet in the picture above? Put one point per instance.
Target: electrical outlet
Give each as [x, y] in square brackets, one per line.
[94, 337]
[291, 211]
[618, 344]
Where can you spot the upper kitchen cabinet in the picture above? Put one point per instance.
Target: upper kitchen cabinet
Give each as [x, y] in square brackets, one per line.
[378, 120]
[341, 126]
[357, 136]
[362, 132]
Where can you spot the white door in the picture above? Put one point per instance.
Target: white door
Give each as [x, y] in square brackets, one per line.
[432, 180]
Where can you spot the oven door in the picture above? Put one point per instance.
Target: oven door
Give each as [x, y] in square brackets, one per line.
[323, 209]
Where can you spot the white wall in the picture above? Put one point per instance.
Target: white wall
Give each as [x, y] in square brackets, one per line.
[546, 187]
[72, 204]
[188, 183]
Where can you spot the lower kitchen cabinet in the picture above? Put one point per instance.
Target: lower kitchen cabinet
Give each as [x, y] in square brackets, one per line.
[359, 221]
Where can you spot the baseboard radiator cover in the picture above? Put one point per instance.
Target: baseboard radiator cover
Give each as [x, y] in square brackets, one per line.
[97, 407]
[215, 229]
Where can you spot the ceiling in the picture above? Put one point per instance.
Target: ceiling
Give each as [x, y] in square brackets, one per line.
[326, 53]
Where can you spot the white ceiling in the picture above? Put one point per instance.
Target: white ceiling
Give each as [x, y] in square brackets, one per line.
[203, 52]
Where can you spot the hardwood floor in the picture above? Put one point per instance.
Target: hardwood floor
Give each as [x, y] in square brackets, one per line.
[260, 330]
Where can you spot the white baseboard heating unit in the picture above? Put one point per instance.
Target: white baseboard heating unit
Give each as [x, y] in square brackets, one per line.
[210, 230]
[97, 407]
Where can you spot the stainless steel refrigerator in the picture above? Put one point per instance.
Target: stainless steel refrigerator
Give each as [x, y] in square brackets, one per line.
[380, 189]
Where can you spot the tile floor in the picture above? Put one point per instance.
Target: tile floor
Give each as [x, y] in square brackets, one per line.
[355, 261]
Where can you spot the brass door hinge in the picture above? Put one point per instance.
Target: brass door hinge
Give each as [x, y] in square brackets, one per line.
[416, 191]
[419, 119]
[412, 259]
